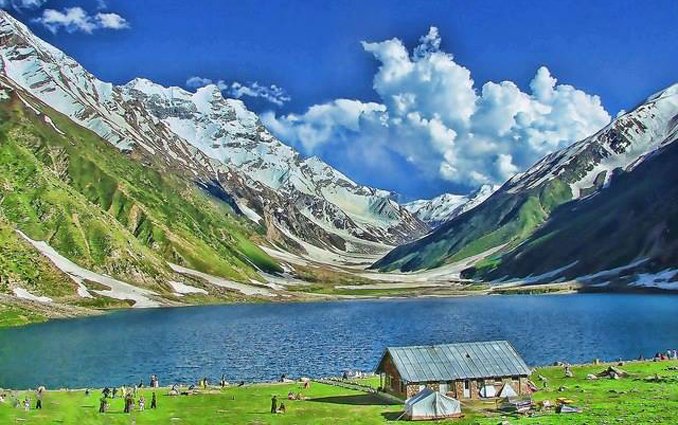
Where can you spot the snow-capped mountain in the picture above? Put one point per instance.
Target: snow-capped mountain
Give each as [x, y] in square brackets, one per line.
[522, 205]
[226, 131]
[218, 143]
[445, 207]
[589, 164]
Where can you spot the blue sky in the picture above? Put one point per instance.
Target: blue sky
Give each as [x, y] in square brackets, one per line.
[621, 51]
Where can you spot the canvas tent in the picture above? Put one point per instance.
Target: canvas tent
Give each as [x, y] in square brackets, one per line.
[429, 404]
[613, 373]
[507, 391]
[488, 391]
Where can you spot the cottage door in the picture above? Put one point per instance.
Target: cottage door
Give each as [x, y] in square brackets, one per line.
[467, 389]
[443, 388]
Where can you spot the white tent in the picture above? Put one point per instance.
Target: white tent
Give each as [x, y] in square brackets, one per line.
[488, 391]
[429, 404]
[507, 391]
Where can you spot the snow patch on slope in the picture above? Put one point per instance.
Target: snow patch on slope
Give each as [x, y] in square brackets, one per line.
[181, 288]
[665, 279]
[118, 289]
[24, 294]
[49, 121]
[224, 283]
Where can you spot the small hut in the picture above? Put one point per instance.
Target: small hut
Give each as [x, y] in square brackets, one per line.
[431, 405]
[458, 370]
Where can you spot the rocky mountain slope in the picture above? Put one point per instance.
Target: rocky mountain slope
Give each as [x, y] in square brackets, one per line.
[440, 209]
[218, 143]
[84, 224]
[564, 188]
[626, 234]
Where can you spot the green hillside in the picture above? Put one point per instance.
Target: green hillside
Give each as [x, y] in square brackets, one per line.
[107, 211]
[505, 218]
[635, 218]
[536, 224]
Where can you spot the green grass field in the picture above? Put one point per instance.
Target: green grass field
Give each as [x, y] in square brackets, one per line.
[631, 400]
[17, 316]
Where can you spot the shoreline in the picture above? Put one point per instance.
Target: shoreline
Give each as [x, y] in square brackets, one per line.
[70, 312]
[644, 394]
[316, 380]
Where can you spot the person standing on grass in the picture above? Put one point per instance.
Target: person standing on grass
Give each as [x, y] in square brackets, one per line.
[274, 404]
[142, 403]
[129, 401]
[154, 401]
[38, 397]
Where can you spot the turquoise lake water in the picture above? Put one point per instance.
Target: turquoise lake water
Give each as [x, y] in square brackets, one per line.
[254, 342]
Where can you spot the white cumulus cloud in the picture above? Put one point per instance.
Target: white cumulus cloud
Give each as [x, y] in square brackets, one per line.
[197, 82]
[111, 21]
[432, 115]
[74, 19]
[273, 93]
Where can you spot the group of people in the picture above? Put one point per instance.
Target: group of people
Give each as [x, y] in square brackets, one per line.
[274, 406]
[130, 402]
[26, 402]
[298, 396]
[669, 355]
[129, 394]
[155, 383]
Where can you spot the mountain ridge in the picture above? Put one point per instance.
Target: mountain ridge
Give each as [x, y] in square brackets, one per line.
[525, 202]
[228, 148]
[437, 210]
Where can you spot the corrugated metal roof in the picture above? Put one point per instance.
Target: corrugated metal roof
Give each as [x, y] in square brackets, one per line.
[449, 362]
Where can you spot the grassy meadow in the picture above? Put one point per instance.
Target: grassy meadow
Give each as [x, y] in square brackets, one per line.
[630, 400]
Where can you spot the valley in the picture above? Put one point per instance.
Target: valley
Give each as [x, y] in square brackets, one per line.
[143, 196]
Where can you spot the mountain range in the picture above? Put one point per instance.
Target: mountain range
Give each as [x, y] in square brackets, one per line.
[445, 207]
[144, 195]
[599, 210]
[218, 140]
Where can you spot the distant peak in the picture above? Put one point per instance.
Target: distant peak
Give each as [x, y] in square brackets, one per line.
[212, 89]
[671, 90]
[150, 87]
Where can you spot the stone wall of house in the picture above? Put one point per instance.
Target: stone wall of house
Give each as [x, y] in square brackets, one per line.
[412, 390]
[475, 390]
[458, 389]
[523, 388]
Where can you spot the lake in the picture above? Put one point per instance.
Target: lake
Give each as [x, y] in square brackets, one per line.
[254, 342]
